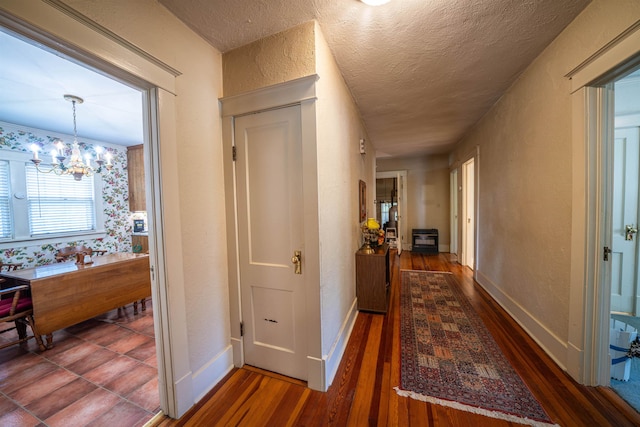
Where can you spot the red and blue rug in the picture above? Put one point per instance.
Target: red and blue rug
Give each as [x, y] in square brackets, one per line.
[448, 356]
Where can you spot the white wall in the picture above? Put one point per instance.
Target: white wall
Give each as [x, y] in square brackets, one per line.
[192, 181]
[525, 178]
[340, 168]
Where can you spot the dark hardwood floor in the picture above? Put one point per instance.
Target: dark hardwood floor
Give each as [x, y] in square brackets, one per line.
[362, 392]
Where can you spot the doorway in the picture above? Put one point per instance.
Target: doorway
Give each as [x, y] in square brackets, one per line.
[271, 240]
[453, 200]
[391, 203]
[146, 98]
[468, 213]
[624, 171]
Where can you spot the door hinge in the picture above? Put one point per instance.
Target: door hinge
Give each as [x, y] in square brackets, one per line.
[241, 329]
[606, 252]
[234, 153]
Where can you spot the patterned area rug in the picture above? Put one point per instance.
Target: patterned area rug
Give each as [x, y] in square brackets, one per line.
[448, 356]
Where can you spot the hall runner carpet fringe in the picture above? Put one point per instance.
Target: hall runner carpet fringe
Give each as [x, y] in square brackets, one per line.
[448, 356]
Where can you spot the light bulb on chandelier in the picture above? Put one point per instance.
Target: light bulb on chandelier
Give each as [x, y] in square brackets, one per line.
[76, 166]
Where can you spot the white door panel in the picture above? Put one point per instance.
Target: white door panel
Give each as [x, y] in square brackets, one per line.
[270, 230]
[624, 213]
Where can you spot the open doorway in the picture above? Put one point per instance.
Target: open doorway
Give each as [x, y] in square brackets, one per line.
[391, 196]
[468, 213]
[114, 236]
[624, 170]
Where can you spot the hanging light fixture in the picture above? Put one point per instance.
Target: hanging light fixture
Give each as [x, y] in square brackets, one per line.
[76, 166]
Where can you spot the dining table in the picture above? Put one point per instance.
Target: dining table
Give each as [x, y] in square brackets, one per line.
[66, 293]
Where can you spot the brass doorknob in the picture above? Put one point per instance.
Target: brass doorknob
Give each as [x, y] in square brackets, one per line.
[297, 261]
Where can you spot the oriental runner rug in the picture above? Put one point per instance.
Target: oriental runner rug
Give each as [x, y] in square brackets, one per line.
[448, 356]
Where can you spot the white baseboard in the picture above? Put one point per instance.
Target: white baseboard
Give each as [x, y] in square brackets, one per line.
[331, 361]
[212, 372]
[550, 343]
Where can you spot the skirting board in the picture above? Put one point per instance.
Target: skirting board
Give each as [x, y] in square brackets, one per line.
[212, 372]
[550, 343]
[333, 358]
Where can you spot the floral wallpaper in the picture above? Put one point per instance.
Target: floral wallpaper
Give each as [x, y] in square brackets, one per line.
[115, 195]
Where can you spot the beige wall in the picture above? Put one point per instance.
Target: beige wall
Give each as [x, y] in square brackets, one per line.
[427, 193]
[275, 59]
[339, 165]
[525, 179]
[190, 150]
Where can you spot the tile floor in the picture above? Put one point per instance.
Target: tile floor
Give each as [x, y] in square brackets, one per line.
[102, 372]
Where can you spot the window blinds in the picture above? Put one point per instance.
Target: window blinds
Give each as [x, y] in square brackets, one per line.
[59, 204]
[6, 223]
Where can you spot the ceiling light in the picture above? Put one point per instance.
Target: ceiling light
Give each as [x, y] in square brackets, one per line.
[375, 2]
[76, 166]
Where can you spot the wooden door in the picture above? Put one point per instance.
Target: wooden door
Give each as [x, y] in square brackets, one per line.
[270, 230]
[624, 257]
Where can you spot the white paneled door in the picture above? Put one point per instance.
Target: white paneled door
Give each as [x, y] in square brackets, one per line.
[624, 219]
[270, 231]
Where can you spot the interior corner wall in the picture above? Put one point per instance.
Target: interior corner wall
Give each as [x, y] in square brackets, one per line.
[525, 180]
[427, 193]
[198, 273]
[278, 58]
[340, 168]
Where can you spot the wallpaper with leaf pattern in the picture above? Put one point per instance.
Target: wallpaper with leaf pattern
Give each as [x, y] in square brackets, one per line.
[115, 195]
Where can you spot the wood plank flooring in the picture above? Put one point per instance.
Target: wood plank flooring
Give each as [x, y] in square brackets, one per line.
[362, 392]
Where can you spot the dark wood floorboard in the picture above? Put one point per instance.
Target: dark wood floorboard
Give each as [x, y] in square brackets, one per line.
[362, 392]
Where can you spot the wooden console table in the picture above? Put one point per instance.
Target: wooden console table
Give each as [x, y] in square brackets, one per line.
[372, 279]
[64, 294]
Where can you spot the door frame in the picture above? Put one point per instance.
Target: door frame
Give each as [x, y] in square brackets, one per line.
[473, 154]
[454, 214]
[587, 358]
[402, 201]
[301, 91]
[64, 30]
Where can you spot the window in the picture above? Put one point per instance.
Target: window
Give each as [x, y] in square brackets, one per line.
[45, 207]
[59, 204]
[6, 222]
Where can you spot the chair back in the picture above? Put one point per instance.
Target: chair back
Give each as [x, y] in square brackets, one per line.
[69, 252]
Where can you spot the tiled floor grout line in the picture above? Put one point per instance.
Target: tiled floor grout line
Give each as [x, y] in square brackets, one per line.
[45, 359]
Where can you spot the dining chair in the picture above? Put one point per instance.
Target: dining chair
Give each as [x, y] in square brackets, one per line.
[16, 308]
[70, 252]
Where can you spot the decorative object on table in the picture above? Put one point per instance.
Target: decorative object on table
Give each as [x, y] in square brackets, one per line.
[448, 357]
[372, 234]
[362, 200]
[138, 225]
[76, 166]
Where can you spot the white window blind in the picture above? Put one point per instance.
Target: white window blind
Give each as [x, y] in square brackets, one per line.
[6, 223]
[59, 204]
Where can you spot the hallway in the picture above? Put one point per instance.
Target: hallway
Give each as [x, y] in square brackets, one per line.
[362, 392]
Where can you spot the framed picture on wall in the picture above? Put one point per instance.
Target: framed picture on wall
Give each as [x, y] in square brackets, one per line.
[363, 200]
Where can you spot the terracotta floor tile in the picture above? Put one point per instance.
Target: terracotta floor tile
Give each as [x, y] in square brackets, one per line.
[143, 352]
[141, 324]
[6, 405]
[75, 353]
[124, 385]
[123, 414]
[130, 342]
[41, 388]
[18, 418]
[17, 363]
[152, 361]
[92, 360]
[146, 396]
[114, 335]
[61, 398]
[61, 343]
[88, 408]
[100, 330]
[118, 367]
[23, 377]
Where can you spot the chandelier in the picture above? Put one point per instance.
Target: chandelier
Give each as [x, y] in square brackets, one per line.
[76, 166]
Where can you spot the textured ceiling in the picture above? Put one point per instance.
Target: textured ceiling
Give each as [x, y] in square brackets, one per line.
[421, 71]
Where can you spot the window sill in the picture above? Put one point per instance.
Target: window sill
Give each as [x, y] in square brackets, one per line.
[37, 241]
